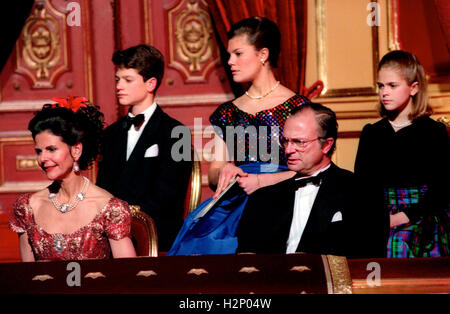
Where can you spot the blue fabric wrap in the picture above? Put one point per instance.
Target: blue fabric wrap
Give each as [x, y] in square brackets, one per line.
[215, 232]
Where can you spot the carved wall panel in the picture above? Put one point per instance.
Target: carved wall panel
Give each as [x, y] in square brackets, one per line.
[42, 52]
[51, 57]
[18, 162]
[192, 50]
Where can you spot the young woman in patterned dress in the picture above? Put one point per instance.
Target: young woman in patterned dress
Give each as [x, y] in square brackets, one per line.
[246, 140]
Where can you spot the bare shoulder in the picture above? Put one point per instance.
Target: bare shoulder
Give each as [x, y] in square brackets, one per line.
[99, 192]
[240, 101]
[99, 195]
[285, 92]
[279, 96]
[38, 198]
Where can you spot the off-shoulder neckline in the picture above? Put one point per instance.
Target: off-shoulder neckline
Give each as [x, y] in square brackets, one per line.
[79, 230]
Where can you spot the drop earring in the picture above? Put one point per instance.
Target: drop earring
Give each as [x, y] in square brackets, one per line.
[76, 167]
[262, 61]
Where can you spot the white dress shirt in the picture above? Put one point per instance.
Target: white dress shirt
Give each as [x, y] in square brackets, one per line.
[134, 133]
[304, 200]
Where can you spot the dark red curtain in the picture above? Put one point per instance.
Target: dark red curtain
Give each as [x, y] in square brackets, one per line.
[12, 19]
[291, 18]
[443, 10]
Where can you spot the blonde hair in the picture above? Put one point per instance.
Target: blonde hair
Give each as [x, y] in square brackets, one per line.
[412, 71]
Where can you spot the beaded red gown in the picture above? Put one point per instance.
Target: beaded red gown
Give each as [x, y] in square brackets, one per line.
[113, 221]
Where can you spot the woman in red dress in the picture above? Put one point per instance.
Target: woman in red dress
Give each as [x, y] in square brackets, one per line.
[71, 219]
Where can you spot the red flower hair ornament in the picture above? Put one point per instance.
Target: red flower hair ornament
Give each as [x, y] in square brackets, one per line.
[73, 103]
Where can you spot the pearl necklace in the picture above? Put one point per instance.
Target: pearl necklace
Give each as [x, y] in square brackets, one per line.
[64, 207]
[264, 95]
[400, 125]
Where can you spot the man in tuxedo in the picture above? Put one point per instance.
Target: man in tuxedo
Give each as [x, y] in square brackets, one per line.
[313, 211]
[136, 153]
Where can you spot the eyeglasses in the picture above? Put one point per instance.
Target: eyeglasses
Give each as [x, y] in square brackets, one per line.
[297, 143]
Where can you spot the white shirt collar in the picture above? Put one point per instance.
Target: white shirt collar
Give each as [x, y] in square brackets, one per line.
[133, 133]
[303, 203]
[147, 112]
[315, 173]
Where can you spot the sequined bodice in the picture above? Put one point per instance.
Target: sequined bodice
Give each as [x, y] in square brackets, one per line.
[254, 137]
[89, 242]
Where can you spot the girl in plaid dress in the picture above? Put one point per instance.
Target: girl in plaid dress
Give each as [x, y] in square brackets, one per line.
[403, 162]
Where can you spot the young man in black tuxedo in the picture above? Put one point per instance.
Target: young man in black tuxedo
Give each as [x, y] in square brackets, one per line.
[137, 163]
[312, 212]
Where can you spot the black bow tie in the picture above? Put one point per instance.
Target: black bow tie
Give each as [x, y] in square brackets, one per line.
[137, 121]
[302, 181]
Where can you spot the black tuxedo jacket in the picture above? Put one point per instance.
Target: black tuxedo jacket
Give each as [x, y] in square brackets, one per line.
[157, 184]
[266, 221]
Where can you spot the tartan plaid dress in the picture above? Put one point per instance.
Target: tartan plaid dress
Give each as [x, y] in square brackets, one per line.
[426, 237]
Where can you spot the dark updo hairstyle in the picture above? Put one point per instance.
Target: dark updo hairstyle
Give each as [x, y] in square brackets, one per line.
[261, 33]
[84, 126]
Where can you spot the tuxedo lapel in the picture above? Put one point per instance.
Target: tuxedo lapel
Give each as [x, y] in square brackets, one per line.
[117, 148]
[322, 209]
[122, 147]
[274, 216]
[283, 215]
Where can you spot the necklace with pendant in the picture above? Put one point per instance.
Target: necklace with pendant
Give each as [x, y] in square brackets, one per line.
[264, 95]
[65, 207]
[59, 243]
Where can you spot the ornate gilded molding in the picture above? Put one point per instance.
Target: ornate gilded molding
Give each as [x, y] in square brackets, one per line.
[25, 163]
[444, 120]
[392, 14]
[150, 227]
[42, 277]
[192, 51]
[193, 100]
[148, 28]
[337, 274]
[6, 141]
[322, 66]
[42, 49]
[197, 271]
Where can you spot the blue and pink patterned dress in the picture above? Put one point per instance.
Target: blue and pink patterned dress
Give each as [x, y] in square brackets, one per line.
[253, 142]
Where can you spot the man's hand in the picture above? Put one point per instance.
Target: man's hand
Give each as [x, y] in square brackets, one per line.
[250, 183]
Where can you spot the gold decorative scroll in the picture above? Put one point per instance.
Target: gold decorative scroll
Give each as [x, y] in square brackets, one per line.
[95, 275]
[249, 270]
[41, 49]
[42, 277]
[300, 268]
[27, 163]
[191, 43]
[197, 271]
[146, 273]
